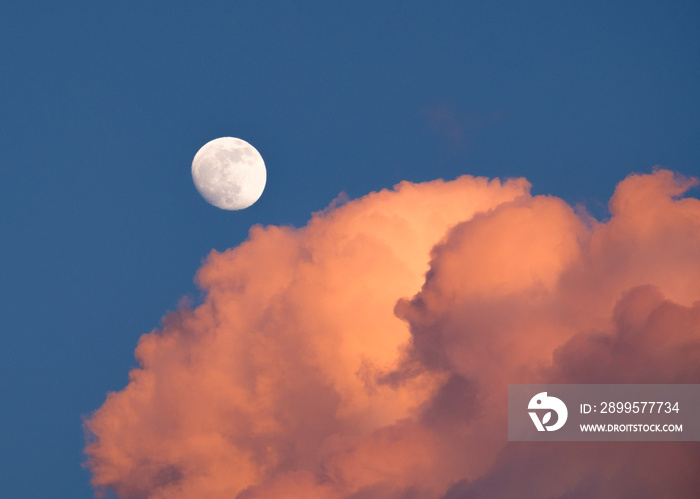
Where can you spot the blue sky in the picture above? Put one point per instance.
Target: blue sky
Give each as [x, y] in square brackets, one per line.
[103, 106]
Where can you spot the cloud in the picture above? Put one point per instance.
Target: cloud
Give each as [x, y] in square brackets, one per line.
[367, 354]
[456, 127]
[444, 120]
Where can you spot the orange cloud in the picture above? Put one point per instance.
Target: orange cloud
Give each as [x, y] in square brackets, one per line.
[366, 355]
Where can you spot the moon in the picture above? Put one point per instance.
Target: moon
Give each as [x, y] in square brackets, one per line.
[229, 173]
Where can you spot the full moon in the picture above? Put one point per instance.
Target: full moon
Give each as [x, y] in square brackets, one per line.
[229, 173]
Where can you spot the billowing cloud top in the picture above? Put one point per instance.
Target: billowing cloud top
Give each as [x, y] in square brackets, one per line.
[367, 355]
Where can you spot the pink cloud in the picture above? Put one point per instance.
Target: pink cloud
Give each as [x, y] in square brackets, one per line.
[366, 355]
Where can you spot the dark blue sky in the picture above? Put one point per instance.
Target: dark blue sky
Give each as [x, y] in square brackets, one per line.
[103, 105]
